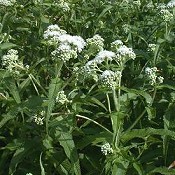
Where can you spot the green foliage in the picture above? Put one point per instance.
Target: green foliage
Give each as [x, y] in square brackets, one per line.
[81, 103]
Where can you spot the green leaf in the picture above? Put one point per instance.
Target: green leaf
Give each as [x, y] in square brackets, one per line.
[11, 85]
[120, 167]
[162, 170]
[6, 46]
[94, 139]
[145, 95]
[44, 19]
[5, 119]
[96, 101]
[54, 87]
[68, 145]
[138, 168]
[151, 112]
[108, 7]
[21, 153]
[142, 133]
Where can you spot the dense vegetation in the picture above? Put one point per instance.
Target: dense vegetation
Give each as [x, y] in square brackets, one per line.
[87, 87]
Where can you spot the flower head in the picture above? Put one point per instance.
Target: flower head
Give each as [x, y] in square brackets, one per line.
[95, 44]
[171, 4]
[166, 15]
[12, 63]
[64, 52]
[104, 55]
[76, 41]
[152, 77]
[7, 2]
[124, 54]
[106, 149]
[52, 33]
[116, 44]
[61, 98]
[109, 78]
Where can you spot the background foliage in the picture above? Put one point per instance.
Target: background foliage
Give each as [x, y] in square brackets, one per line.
[140, 131]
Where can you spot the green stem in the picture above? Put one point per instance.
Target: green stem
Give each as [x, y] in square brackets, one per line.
[156, 54]
[142, 114]
[115, 99]
[109, 104]
[95, 123]
[136, 121]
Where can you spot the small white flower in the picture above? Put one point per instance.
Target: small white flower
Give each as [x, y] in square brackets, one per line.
[116, 44]
[7, 2]
[106, 149]
[64, 52]
[160, 79]
[95, 43]
[29, 174]
[171, 4]
[124, 54]
[76, 41]
[161, 6]
[38, 118]
[11, 62]
[52, 33]
[137, 3]
[151, 47]
[63, 5]
[109, 78]
[79, 43]
[152, 77]
[104, 55]
[166, 15]
[61, 98]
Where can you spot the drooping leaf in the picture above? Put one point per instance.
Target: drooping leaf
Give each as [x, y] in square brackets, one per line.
[142, 133]
[6, 46]
[53, 90]
[66, 141]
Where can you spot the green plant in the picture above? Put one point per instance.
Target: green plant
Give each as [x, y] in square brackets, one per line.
[87, 87]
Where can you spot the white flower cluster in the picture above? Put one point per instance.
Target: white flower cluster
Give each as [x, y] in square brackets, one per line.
[171, 4]
[36, 2]
[11, 62]
[104, 55]
[29, 174]
[67, 45]
[109, 78]
[152, 77]
[76, 42]
[64, 52]
[4, 37]
[137, 3]
[151, 47]
[124, 54]
[166, 15]
[120, 53]
[7, 2]
[161, 6]
[61, 98]
[38, 118]
[95, 44]
[106, 149]
[63, 5]
[126, 28]
[91, 66]
[150, 5]
[52, 33]
[116, 44]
